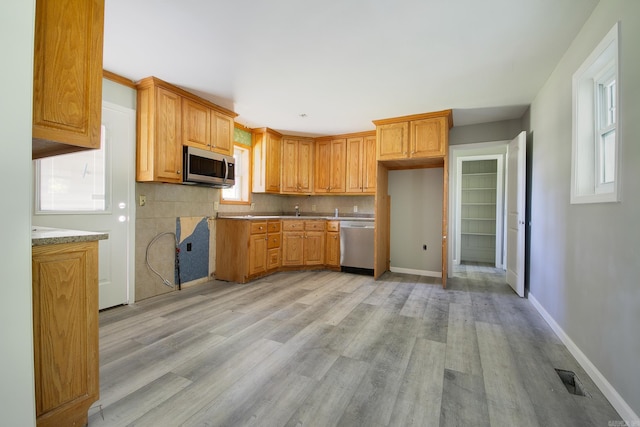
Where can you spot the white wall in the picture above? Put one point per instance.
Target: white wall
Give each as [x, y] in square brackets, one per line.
[416, 219]
[17, 406]
[585, 269]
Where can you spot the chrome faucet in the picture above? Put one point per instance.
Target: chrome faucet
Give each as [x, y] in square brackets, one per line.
[297, 210]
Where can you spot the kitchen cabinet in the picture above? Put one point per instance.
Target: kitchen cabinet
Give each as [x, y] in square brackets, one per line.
[361, 164]
[409, 142]
[330, 163]
[67, 76]
[422, 136]
[159, 147]
[267, 149]
[297, 165]
[246, 249]
[205, 128]
[332, 245]
[169, 118]
[303, 243]
[65, 331]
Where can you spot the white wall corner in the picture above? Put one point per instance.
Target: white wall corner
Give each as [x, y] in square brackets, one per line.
[620, 405]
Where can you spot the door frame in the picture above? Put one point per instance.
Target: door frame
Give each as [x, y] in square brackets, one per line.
[499, 253]
[489, 148]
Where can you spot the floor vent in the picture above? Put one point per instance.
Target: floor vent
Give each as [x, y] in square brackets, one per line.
[572, 383]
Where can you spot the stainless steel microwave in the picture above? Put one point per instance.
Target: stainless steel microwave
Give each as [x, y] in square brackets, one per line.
[208, 168]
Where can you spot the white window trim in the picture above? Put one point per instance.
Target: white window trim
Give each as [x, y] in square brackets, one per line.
[585, 182]
[244, 194]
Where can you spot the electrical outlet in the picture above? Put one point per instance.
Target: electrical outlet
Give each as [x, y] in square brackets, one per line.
[313, 208]
[355, 208]
[143, 200]
[216, 206]
[253, 206]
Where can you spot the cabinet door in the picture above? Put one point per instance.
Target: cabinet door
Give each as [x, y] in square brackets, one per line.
[332, 257]
[305, 166]
[354, 165]
[67, 85]
[65, 331]
[370, 165]
[292, 248]
[337, 166]
[314, 248]
[289, 165]
[322, 181]
[428, 137]
[257, 254]
[222, 133]
[273, 153]
[168, 145]
[393, 141]
[196, 129]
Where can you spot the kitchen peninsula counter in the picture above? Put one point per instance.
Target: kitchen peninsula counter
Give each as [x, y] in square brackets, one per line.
[52, 236]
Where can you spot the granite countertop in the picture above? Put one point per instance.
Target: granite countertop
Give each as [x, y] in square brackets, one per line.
[53, 236]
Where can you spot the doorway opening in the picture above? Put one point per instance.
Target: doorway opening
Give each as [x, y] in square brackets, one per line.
[477, 208]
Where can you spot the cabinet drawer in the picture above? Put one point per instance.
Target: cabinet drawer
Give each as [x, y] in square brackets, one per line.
[273, 226]
[333, 225]
[314, 225]
[293, 225]
[258, 227]
[274, 240]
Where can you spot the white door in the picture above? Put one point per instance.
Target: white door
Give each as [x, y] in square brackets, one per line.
[516, 181]
[111, 181]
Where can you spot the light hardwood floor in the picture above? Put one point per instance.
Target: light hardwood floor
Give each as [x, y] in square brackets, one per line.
[326, 348]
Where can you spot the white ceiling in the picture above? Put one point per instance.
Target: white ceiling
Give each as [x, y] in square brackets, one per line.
[344, 63]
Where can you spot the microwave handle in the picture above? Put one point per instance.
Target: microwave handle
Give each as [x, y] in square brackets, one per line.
[226, 170]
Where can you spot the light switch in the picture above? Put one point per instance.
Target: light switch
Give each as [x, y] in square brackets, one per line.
[143, 200]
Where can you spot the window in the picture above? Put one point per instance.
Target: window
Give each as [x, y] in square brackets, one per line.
[596, 142]
[73, 182]
[239, 193]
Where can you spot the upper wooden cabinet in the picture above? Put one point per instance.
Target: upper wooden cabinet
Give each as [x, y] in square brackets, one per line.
[267, 149]
[361, 164]
[159, 147]
[170, 118]
[206, 128]
[330, 162]
[297, 165]
[67, 76]
[418, 137]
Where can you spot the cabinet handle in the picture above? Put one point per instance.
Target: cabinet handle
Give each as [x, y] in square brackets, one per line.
[178, 172]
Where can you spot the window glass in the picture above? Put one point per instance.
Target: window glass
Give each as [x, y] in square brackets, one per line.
[73, 182]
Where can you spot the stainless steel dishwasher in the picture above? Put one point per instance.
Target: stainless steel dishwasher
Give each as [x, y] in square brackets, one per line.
[356, 246]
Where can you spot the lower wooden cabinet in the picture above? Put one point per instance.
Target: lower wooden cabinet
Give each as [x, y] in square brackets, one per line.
[303, 242]
[332, 253]
[65, 332]
[247, 249]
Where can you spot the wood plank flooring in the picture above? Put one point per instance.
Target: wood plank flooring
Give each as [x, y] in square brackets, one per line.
[336, 349]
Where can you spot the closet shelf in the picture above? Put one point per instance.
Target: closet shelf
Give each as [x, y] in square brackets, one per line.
[479, 189]
[479, 219]
[477, 234]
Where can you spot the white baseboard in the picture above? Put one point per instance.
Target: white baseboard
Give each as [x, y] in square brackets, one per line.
[625, 411]
[416, 272]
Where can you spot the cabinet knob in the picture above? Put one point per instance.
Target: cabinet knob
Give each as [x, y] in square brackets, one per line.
[178, 172]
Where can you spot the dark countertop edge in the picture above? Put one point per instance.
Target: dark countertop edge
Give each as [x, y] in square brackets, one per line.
[53, 236]
[267, 216]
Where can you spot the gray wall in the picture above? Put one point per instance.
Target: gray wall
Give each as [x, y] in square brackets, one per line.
[416, 218]
[504, 130]
[17, 406]
[584, 267]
